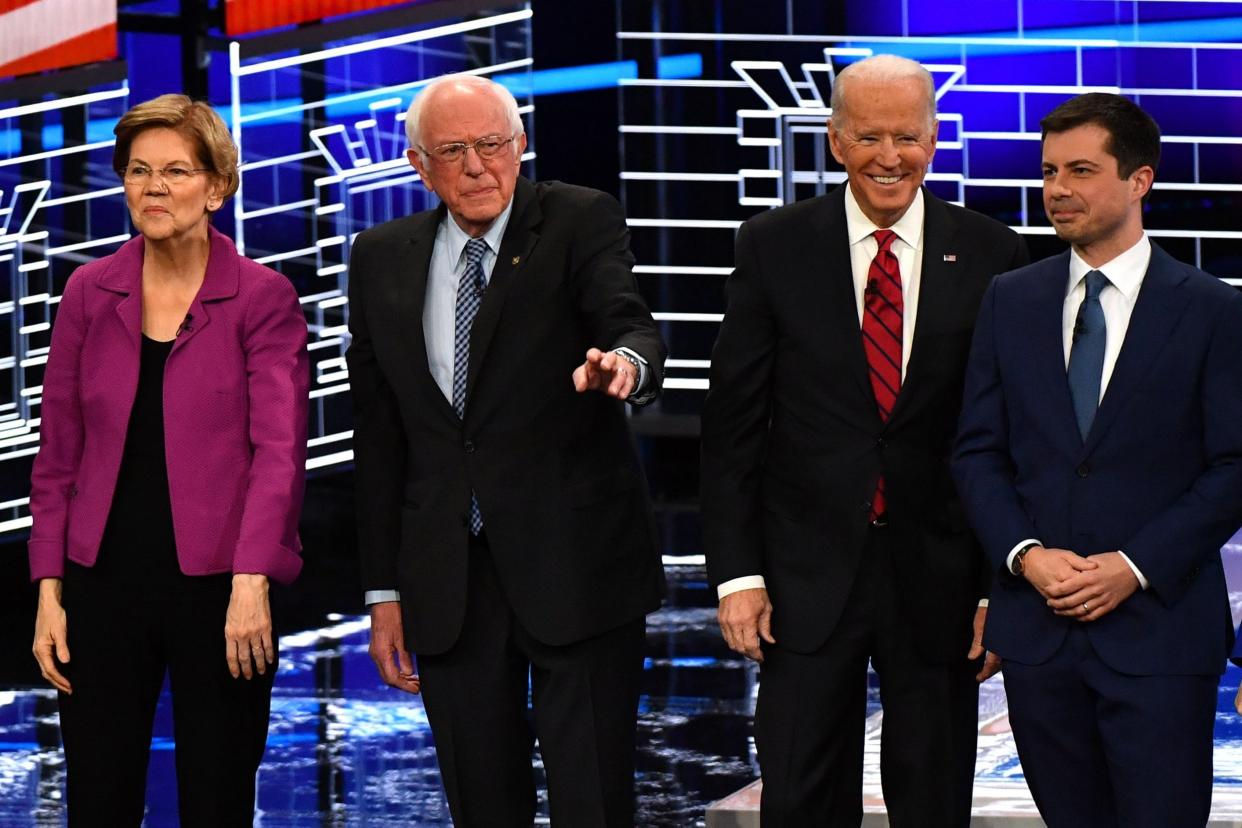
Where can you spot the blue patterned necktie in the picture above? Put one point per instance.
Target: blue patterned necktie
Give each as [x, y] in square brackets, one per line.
[1086, 363]
[469, 298]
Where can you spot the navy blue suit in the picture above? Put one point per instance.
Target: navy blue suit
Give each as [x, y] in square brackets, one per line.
[1159, 477]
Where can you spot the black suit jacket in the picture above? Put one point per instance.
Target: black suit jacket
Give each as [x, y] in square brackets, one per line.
[564, 501]
[792, 441]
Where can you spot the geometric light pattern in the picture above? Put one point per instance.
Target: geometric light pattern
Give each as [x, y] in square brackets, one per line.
[689, 181]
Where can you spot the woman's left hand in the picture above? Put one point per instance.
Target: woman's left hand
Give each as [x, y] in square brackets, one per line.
[248, 627]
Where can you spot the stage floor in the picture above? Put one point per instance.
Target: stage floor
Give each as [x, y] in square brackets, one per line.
[346, 751]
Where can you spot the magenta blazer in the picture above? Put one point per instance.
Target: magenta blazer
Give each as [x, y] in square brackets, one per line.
[235, 409]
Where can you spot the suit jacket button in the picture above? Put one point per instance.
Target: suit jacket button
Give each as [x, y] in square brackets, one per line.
[1082, 471]
[881, 443]
[469, 447]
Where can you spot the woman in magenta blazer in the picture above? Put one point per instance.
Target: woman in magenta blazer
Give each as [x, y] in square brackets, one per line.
[168, 484]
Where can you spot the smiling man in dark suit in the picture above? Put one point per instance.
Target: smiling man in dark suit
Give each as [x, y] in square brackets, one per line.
[505, 527]
[833, 531]
[1100, 459]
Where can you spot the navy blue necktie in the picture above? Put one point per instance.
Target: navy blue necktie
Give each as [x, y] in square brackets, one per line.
[469, 298]
[1086, 363]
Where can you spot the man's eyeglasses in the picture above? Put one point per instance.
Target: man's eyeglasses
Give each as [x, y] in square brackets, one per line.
[489, 146]
[172, 175]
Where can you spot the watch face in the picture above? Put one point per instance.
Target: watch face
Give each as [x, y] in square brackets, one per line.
[1019, 561]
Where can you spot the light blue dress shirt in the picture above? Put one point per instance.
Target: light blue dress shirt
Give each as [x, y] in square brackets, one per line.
[448, 263]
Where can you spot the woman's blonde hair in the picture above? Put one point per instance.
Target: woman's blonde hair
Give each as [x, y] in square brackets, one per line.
[196, 121]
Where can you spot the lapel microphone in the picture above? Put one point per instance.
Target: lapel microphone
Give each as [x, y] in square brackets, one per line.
[185, 324]
[870, 288]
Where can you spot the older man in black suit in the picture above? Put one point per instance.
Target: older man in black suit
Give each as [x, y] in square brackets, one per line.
[833, 530]
[506, 530]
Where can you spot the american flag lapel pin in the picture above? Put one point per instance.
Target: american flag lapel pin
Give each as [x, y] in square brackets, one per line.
[950, 257]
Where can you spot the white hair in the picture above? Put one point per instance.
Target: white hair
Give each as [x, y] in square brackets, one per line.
[881, 68]
[413, 115]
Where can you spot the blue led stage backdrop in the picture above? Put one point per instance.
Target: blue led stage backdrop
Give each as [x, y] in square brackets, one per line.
[703, 151]
[320, 125]
[61, 205]
[323, 161]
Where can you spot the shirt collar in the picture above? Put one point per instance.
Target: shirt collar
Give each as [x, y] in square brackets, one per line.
[456, 238]
[1124, 272]
[909, 228]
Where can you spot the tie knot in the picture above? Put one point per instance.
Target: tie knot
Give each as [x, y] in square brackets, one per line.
[1096, 282]
[885, 238]
[475, 248]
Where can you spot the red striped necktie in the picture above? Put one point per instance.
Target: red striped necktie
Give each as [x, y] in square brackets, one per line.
[881, 332]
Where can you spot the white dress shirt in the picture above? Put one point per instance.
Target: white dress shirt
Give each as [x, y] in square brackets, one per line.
[908, 248]
[1125, 275]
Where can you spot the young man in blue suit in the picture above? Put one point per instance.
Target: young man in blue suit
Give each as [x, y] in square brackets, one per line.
[1100, 462]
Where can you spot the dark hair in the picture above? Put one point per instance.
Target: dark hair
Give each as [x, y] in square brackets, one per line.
[195, 120]
[1133, 137]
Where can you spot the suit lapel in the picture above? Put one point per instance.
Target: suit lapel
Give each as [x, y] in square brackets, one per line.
[411, 296]
[220, 282]
[519, 240]
[124, 276]
[936, 294]
[1156, 311]
[829, 246]
[1047, 344]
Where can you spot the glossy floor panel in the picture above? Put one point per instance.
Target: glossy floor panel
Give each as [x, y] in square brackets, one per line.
[344, 750]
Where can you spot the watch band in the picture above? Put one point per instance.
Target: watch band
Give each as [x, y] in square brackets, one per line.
[638, 370]
[1019, 560]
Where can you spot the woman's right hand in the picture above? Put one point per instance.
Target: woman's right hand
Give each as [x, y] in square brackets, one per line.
[51, 641]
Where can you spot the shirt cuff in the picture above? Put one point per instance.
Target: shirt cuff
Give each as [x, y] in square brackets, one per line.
[1137, 574]
[1013, 553]
[739, 584]
[642, 369]
[380, 596]
[983, 603]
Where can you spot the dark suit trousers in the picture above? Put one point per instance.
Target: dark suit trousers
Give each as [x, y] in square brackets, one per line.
[809, 720]
[584, 700]
[122, 640]
[1109, 750]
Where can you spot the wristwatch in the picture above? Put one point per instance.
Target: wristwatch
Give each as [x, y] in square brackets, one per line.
[1019, 560]
[638, 371]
